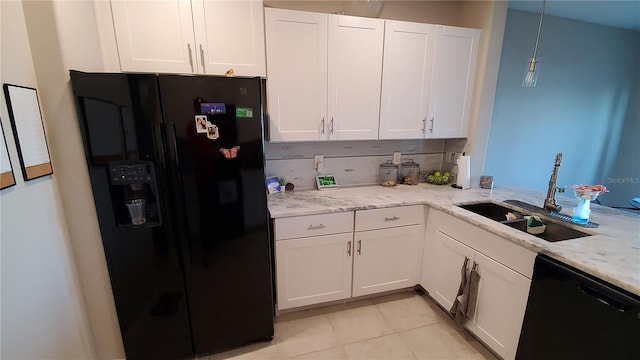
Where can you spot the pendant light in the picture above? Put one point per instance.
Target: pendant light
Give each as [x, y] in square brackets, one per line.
[531, 76]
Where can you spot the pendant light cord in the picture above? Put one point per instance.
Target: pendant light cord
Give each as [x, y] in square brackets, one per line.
[535, 49]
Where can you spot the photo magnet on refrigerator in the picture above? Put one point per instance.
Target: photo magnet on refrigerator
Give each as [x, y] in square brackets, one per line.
[201, 124]
[212, 132]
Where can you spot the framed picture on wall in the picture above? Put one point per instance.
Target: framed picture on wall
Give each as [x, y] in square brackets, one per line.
[28, 131]
[6, 169]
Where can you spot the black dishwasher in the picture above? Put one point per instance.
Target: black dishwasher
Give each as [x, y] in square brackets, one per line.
[572, 315]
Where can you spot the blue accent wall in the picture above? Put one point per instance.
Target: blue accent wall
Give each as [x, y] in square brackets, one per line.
[586, 105]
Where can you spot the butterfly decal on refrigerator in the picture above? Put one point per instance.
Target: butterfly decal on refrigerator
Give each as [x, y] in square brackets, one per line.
[230, 153]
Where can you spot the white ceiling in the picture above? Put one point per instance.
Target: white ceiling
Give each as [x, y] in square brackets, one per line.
[624, 14]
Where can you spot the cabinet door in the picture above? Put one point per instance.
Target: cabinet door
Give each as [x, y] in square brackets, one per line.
[502, 300]
[446, 259]
[297, 72]
[229, 35]
[355, 72]
[386, 259]
[406, 79]
[313, 270]
[454, 71]
[154, 36]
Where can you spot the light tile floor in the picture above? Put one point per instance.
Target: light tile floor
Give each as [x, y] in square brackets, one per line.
[400, 326]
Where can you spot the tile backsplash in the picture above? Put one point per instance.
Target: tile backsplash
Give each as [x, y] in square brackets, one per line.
[351, 162]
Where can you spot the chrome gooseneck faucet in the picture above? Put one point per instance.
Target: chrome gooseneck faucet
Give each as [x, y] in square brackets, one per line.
[550, 201]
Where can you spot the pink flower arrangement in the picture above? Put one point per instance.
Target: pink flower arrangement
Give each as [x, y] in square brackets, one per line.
[590, 192]
[593, 188]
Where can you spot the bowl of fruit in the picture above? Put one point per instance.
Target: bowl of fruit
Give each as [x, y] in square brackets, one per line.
[438, 177]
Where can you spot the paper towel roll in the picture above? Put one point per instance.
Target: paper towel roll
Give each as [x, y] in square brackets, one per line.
[464, 171]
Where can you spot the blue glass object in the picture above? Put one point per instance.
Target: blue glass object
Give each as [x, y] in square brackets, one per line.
[581, 212]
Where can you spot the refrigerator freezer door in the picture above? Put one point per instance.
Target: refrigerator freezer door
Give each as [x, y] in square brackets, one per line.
[118, 117]
[219, 184]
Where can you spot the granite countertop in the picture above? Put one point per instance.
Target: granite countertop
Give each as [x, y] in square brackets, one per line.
[611, 254]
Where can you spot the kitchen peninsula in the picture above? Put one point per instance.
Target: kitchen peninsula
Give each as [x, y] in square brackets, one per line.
[611, 254]
[345, 243]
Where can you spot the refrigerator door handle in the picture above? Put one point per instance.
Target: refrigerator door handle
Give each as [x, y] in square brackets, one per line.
[179, 195]
[174, 138]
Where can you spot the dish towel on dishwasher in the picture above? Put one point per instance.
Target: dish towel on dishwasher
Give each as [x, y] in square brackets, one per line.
[464, 305]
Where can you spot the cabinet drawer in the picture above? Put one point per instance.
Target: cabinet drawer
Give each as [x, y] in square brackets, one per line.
[313, 225]
[389, 217]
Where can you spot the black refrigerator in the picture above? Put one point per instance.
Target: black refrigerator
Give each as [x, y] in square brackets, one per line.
[177, 171]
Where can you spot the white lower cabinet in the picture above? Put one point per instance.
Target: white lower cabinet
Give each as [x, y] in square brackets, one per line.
[314, 257]
[318, 259]
[313, 270]
[447, 256]
[386, 259]
[502, 301]
[502, 291]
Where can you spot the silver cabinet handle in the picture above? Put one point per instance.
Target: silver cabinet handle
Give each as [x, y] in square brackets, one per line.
[202, 59]
[391, 218]
[424, 125]
[323, 125]
[349, 248]
[359, 247]
[316, 227]
[431, 128]
[332, 125]
[190, 57]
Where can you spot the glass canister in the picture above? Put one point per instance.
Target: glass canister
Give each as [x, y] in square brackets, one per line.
[388, 175]
[410, 173]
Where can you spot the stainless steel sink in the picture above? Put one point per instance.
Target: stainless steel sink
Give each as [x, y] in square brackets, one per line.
[555, 231]
[489, 210]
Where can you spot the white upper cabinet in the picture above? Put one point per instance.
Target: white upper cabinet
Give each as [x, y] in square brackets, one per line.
[182, 36]
[355, 71]
[229, 35]
[454, 64]
[324, 75]
[154, 36]
[297, 75]
[406, 79]
[336, 77]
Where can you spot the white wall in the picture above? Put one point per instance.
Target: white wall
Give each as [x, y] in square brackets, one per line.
[42, 312]
[490, 16]
[63, 35]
